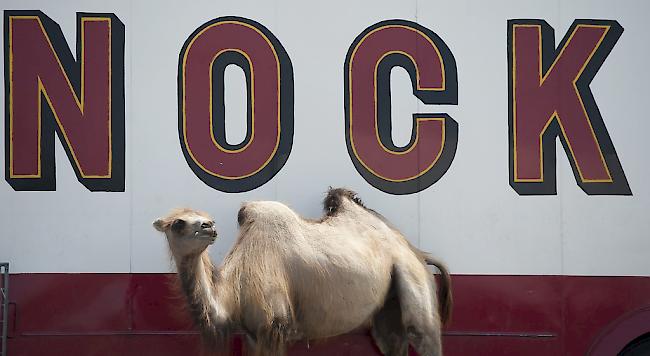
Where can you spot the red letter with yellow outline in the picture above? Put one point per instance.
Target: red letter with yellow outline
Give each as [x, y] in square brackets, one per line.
[549, 96]
[46, 90]
[269, 80]
[432, 68]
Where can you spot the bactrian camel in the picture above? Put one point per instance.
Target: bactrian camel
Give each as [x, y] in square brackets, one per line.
[289, 278]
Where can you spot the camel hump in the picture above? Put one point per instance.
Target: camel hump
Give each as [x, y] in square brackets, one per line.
[265, 211]
[333, 202]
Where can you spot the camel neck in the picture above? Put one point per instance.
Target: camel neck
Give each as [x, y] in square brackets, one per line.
[200, 283]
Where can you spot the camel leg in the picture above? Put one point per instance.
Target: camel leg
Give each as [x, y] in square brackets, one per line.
[271, 339]
[275, 327]
[388, 331]
[250, 344]
[418, 305]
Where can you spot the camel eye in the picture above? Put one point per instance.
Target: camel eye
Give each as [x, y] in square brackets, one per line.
[178, 225]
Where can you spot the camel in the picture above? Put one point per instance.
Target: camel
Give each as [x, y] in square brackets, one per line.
[288, 278]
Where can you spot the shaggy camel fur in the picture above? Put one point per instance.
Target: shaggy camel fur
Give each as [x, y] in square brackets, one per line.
[288, 278]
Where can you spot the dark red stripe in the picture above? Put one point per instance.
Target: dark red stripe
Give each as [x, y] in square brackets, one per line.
[137, 314]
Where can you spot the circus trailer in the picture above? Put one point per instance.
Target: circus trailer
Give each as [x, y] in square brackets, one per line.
[506, 138]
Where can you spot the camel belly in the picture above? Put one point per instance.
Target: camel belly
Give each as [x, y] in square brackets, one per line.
[340, 297]
[336, 278]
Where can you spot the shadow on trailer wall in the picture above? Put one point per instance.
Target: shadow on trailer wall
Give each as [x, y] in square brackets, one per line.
[139, 315]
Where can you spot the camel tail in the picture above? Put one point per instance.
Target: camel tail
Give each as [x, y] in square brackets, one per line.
[445, 299]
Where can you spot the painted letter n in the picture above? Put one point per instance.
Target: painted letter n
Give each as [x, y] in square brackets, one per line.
[82, 100]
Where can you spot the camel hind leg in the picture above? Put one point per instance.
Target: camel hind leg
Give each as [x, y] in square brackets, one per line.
[417, 299]
[387, 329]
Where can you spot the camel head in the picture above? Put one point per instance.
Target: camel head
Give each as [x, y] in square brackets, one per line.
[189, 232]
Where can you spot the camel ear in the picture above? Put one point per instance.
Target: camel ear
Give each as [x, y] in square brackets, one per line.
[159, 225]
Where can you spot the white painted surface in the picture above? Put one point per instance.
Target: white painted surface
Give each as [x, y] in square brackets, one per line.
[471, 218]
